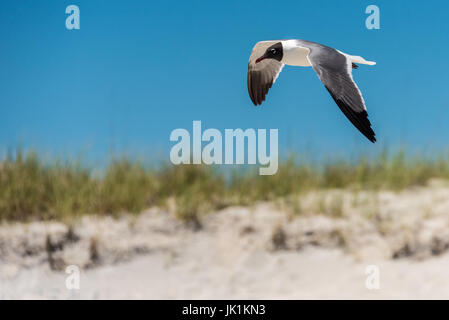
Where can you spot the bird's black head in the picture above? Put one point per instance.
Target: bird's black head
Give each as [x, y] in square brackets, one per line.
[274, 52]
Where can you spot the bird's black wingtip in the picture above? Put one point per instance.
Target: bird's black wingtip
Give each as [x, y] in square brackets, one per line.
[369, 133]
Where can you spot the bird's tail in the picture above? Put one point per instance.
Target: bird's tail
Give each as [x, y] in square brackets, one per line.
[358, 59]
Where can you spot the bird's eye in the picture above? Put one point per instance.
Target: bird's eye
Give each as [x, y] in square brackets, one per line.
[273, 51]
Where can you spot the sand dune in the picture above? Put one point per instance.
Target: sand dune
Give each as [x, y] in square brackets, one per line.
[265, 251]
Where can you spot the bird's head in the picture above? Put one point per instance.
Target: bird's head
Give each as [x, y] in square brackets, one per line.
[273, 52]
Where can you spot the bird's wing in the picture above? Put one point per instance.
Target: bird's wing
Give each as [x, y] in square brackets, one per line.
[262, 75]
[335, 71]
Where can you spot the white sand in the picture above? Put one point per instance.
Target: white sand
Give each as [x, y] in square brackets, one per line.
[311, 274]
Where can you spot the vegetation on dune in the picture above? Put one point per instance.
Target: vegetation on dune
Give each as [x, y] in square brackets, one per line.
[31, 189]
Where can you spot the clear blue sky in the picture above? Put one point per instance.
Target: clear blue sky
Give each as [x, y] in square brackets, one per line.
[136, 70]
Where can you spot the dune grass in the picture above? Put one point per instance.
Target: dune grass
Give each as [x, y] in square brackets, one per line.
[32, 189]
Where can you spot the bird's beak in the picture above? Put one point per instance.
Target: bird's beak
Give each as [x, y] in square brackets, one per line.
[260, 59]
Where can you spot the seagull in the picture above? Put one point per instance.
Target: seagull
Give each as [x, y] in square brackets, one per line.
[333, 67]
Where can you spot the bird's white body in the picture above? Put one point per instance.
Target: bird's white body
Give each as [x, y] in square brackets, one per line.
[296, 55]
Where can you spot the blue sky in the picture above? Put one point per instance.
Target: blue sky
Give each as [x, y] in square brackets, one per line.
[136, 70]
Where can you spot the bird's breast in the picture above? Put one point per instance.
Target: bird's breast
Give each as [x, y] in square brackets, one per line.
[296, 56]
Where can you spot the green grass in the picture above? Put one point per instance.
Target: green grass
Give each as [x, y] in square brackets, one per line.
[33, 189]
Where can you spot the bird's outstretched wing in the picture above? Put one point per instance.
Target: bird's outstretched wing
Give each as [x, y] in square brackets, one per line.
[335, 71]
[262, 75]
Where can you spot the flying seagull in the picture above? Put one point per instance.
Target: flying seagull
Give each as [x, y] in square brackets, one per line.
[333, 67]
